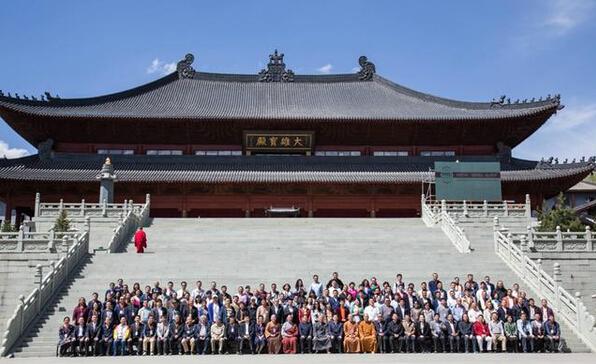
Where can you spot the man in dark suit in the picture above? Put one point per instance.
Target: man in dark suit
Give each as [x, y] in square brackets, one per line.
[452, 332]
[423, 334]
[402, 309]
[245, 335]
[136, 336]
[489, 286]
[336, 331]
[107, 337]
[276, 309]
[94, 335]
[395, 334]
[81, 338]
[289, 308]
[305, 332]
[381, 334]
[203, 335]
[232, 333]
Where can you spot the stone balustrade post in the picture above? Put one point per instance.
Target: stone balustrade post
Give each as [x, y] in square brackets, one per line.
[530, 235]
[51, 242]
[578, 310]
[104, 208]
[523, 243]
[509, 246]
[88, 224]
[52, 272]
[528, 206]
[20, 238]
[505, 209]
[83, 207]
[61, 206]
[465, 208]
[540, 270]
[20, 313]
[37, 204]
[443, 206]
[148, 199]
[496, 223]
[589, 246]
[65, 244]
[559, 238]
[125, 206]
[422, 199]
[39, 274]
[557, 278]
[485, 208]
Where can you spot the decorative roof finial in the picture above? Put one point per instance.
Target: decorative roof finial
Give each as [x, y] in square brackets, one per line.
[367, 69]
[276, 70]
[184, 67]
[108, 161]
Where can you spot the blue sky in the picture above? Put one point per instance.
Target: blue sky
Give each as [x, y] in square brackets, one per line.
[471, 50]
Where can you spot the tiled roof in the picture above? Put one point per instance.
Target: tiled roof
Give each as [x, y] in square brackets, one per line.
[315, 97]
[263, 169]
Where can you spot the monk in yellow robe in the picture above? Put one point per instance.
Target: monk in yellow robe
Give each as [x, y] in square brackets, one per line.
[351, 339]
[367, 335]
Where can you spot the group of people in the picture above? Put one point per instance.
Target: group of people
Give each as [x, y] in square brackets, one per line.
[370, 317]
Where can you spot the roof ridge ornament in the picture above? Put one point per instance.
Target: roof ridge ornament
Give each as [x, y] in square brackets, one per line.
[367, 69]
[276, 70]
[184, 67]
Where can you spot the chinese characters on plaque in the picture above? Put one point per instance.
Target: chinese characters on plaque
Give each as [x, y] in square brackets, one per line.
[278, 141]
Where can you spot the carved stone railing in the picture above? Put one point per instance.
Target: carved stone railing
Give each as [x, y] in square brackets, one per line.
[30, 307]
[568, 307]
[82, 209]
[448, 224]
[555, 241]
[130, 222]
[27, 241]
[482, 208]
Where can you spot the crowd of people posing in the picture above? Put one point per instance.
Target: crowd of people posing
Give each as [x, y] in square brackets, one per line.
[370, 317]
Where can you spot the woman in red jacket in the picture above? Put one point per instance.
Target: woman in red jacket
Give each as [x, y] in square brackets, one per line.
[482, 334]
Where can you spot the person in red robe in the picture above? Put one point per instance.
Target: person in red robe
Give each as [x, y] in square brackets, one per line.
[140, 240]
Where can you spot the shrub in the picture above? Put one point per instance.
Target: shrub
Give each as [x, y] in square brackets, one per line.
[62, 223]
[560, 215]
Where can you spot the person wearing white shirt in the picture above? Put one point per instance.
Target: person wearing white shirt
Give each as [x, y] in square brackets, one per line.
[198, 291]
[371, 310]
[474, 312]
[182, 291]
[316, 286]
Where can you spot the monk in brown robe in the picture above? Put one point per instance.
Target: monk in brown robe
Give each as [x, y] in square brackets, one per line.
[289, 335]
[273, 336]
[351, 340]
[368, 335]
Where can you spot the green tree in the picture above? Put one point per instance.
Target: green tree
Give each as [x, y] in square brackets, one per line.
[7, 227]
[62, 223]
[560, 215]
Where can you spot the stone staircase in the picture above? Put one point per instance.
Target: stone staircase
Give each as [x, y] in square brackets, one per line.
[251, 251]
[17, 277]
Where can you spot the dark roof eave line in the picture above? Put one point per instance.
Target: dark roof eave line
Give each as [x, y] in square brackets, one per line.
[528, 113]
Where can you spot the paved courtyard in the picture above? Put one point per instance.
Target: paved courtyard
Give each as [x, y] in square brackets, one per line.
[335, 358]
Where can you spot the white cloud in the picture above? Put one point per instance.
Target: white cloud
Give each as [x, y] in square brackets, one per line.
[565, 15]
[574, 115]
[160, 67]
[169, 67]
[326, 68]
[569, 134]
[6, 151]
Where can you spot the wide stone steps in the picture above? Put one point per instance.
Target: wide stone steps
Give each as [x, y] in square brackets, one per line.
[251, 251]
